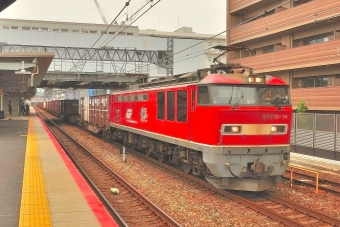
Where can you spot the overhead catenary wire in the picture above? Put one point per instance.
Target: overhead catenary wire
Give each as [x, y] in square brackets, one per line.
[151, 6]
[167, 57]
[246, 21]
[186, 57]
[126, 4]
[107, 28]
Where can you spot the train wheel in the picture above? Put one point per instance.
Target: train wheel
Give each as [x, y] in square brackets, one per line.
[148, 151]
[186, 168]
[161, 157]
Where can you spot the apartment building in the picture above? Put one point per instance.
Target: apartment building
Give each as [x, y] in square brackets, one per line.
[296, 40]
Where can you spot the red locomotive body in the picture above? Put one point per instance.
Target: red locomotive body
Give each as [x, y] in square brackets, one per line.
[233, 129]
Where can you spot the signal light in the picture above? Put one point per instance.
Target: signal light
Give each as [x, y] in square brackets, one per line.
[256, 80]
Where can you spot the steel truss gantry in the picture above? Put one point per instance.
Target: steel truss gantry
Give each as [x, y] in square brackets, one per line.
[79, 56]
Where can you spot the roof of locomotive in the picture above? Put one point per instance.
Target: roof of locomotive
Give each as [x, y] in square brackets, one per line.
[236, 78]
[192, 78]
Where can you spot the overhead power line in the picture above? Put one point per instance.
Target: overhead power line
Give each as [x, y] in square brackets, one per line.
[246, 21]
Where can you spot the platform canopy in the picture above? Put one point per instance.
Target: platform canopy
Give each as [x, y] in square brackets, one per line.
[21, 73]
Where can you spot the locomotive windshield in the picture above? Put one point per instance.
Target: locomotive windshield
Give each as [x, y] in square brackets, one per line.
[243, 95]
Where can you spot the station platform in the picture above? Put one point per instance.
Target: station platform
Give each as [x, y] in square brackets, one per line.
[316, 162]
[40, 186]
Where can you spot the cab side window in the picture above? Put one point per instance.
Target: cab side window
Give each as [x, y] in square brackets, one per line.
[203, 95]
[182, 102]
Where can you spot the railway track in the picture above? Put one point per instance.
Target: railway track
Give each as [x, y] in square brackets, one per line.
[287, 214]
[128, 206]
[302, 216]
[283, 211]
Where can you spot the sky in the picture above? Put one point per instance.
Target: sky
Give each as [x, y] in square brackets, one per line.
[205, 17]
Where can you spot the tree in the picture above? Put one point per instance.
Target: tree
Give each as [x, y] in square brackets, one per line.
[302, 107]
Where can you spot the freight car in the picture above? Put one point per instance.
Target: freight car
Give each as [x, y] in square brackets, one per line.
[67, 109]
[94, 114]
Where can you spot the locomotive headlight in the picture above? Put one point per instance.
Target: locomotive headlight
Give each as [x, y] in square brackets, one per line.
[278, 129]
[273, 129]
[235, 129]
[228, 129]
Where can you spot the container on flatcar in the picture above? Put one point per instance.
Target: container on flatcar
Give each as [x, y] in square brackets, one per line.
[67, 109]
[98, 113]
[84, 109]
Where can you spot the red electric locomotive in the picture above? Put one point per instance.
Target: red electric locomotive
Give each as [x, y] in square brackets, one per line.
[231, 128]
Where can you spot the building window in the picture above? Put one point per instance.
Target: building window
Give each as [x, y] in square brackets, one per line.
[210, 44]
[299, 2]
[321, 38]
[321, 81]
[268, 49]
[317, 81]
[307, 82]
[209, 59]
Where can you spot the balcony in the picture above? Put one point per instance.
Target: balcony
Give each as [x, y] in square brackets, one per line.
[320, 98]
[312, 12]
[327, 53]
[241, 4]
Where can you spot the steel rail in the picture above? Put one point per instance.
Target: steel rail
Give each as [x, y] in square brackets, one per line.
[167, 219]
[312, 213]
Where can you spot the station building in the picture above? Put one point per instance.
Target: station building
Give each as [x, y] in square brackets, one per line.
[296, 40]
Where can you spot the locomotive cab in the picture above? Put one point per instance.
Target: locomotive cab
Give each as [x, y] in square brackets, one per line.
[249, 132]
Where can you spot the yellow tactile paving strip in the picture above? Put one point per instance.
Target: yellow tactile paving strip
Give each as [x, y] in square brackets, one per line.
[34, 210]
